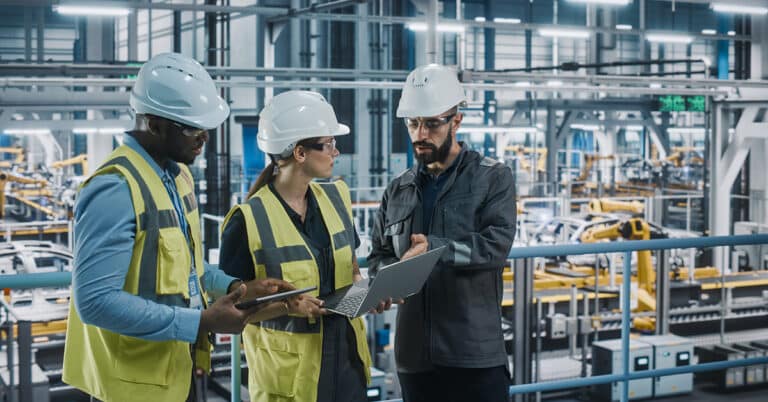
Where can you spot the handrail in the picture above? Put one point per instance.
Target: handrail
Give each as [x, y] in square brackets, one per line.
[636, 245]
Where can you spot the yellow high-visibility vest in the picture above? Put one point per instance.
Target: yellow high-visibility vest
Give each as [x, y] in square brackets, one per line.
[114, 367]
[284, 354]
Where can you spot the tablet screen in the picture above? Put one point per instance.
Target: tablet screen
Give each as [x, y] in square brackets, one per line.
[273, 297]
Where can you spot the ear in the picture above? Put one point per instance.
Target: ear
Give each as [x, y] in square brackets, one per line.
[457, 121]
[155, 127]
[299, 153]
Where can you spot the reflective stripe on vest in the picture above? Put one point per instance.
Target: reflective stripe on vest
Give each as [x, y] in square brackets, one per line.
[150, 221]
[347, 237]
[270, 255]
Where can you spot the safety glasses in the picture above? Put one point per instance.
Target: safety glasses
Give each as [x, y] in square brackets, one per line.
[432, 123]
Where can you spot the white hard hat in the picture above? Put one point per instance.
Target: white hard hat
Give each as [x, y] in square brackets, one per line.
[430, 90]
[293, 116]
[178, 88]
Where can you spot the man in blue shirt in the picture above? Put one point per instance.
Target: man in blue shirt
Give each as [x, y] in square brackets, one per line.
[155, 305]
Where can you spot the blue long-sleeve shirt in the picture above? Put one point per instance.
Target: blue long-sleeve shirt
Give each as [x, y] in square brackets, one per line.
[105, 227]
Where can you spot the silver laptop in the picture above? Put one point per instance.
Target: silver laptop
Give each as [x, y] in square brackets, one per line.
[398, 281]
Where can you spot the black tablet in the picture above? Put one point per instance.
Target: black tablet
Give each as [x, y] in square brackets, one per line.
[273, 297]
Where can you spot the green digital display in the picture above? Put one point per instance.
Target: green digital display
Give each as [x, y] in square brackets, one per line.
[695, 103]
[679, 103]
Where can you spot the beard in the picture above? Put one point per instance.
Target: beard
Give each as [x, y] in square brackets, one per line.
[437, 154]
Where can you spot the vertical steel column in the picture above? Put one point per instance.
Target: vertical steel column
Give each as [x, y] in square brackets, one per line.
[433, 51]
[722, 49]
[625, 321]
[28, 34]
[41, 35]
[25, 361]
[523, 292]
[236, 370]
[177, 31]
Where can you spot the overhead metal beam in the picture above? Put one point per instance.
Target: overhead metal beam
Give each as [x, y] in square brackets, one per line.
[13, 98]
[70, 70]
[586, 88]
[147, 5]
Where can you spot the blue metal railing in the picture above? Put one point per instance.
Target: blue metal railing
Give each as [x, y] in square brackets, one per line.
[26, 281]
[628, 247]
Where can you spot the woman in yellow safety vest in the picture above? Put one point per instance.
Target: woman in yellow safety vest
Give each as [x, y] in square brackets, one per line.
[300, 231]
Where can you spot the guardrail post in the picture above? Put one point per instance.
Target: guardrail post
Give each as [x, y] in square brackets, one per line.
[11, 360]
[25, 361]
[662, 292]
[523, 293]
[625, 320]
[235, 375]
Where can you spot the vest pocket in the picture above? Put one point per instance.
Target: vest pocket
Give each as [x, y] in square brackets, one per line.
[173, 263]
[276, 371]
[143, 362]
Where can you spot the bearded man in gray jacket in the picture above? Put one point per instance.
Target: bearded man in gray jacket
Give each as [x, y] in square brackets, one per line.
[448, 344]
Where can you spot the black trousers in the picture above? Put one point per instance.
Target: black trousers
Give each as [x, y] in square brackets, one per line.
[456, 384]
[342, 375]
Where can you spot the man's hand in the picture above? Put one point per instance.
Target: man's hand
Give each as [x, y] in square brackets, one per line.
[264, 287]
[419, 245]
[223, 317]
[306, 306]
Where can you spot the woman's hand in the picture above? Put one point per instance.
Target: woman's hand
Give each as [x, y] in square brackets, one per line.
[306, 306]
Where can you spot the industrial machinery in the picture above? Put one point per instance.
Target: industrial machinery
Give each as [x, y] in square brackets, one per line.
[607, 359]
[19, 194]
[17, 160]
[670, 351]
[81, 160]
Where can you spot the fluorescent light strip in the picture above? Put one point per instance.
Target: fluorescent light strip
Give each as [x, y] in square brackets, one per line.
[624, 27]
[507, 20]
[108, 130]
[709, 32]
[422, 27]
[480, 19]
[90, 10]
[564, 33]
[27, 131]
[731, 33]
[585, 127]
[668, 38]
[603, 2]
[738, 9]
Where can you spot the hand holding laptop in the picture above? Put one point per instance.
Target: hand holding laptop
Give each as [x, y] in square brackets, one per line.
[306, 306]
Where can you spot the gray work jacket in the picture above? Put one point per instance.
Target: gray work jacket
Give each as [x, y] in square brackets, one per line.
[455, 320]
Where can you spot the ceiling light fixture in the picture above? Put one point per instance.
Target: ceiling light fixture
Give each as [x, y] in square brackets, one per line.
[564, 33]
[422, 27]
[603, 2]
[738, 9]
[669, 38]
[507, 20]
[91, 10]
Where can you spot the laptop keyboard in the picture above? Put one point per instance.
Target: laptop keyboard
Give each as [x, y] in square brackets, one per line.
[349, 305]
